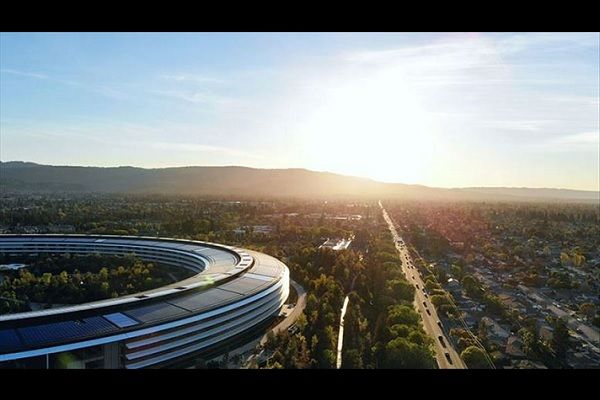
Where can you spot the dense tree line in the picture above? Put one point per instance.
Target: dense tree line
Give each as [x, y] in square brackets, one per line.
[382, 328]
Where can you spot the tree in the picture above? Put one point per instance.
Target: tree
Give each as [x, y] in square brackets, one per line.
[588, 309]
[560, 338]
[439, 300]
[457, 271]
[275, 365]
[329, 358]
[531, 342]
[352, 359]
[475, 358]
[401, 353]
[482, 333]
[578, 259]
[431, 285]
[471, 286]
[401, 314]
[399, 330]
[401, 290]
[494, 305]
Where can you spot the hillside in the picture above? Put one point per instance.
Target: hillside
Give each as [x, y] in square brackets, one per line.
[247, 182]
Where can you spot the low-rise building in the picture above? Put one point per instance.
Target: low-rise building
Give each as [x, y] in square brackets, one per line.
[336, 244]
[514, 347]
[264, 229]
[496, 333]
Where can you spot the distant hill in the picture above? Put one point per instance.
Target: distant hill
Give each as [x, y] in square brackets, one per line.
[16, 176]
[536, 193]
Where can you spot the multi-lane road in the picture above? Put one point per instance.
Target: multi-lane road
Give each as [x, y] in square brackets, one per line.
[445, 355]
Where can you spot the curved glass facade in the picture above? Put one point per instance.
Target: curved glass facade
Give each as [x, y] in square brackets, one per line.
[153, 329]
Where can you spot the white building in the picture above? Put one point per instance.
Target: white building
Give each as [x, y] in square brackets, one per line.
[336, 244]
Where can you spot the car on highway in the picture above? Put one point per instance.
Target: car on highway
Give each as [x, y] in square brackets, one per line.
[448, 357]
[425, 304]
[426, 296]
[428, 312]
[441, 339]
[439, 323]
[417, 285]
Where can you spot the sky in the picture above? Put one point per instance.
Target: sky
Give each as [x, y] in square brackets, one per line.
[439, 109]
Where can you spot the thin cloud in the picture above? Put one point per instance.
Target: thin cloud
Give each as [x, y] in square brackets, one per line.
[193, 78]
[22, 73]
[195, 97]
[455, 54]
[579, 139]
[549, 42]
[202, 148]
[121, 135]
[100, 89]
[588, 141]
[520, 125]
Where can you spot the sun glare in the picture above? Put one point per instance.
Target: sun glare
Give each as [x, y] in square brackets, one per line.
[371, 126]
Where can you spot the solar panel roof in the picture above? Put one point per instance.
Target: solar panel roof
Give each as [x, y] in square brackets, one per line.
[243, 285]
[9, 340]
[155, 312]
[205, 299]
[267, 270]
[259, 277]
[59, 331]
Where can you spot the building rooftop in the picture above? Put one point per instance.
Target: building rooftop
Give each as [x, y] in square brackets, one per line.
[336, 244]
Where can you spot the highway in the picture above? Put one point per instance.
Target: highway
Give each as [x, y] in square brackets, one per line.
[423, 305]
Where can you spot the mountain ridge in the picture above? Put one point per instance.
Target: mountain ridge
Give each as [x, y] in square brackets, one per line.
[20, 176]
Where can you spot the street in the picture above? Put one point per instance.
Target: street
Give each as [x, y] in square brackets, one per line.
[423, 306]
[588, 334]
[247, 350]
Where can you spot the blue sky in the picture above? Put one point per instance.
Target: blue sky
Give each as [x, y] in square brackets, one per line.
[450, 110]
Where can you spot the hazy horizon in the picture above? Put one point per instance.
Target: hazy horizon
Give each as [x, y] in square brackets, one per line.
[440, 110]
[301, 168]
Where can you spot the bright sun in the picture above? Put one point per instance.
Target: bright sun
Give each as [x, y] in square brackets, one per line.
[372, 126]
